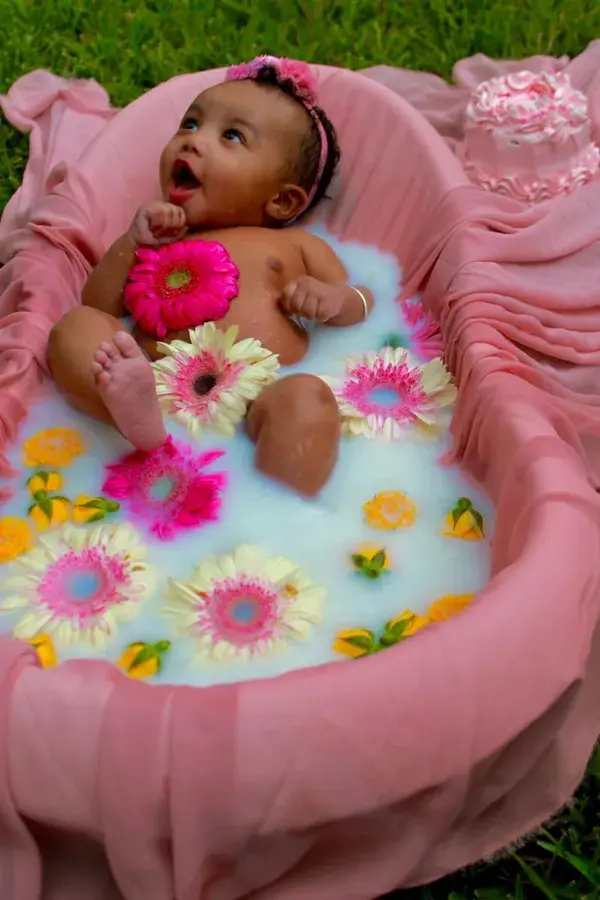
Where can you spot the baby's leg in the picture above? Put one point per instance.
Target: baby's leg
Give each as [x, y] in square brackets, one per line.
[295, 425]
[102, 372]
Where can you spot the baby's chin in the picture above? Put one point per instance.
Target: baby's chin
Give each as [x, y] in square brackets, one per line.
[195, 217]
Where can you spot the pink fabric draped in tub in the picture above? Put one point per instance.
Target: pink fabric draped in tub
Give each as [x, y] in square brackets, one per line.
[354, 778]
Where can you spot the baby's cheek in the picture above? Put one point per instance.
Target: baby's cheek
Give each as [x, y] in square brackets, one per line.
[164, 169]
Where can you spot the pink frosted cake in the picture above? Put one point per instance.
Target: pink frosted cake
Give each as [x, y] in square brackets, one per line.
[528, 136]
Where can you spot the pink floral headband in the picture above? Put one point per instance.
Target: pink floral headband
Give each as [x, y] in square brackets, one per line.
[305, 89]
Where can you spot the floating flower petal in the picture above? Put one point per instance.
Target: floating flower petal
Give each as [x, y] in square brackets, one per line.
[45, 650]
[180, 285]
[355, 642]
[167, 489]
[15, 538]
[426, 339]
[390, 395]
[44, 481]
[390, 510]
[209, 382]
[142, 660]
[53, 447]
[245, 604]
[358, 642]
[48, 511]
[79, 585]
[92, 509]
[448, 606]
[370, 560]
[403, 626]
[464, 521]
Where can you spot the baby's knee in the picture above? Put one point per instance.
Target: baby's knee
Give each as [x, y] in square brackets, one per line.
[80, 329]
[309, 394]
[69, 328]
[300, 401]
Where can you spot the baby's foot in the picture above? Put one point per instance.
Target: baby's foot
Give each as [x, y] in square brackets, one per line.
[126, 384]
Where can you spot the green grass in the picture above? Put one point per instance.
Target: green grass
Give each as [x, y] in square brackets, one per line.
[131, 46]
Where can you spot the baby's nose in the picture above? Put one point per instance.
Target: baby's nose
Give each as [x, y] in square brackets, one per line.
[194, 143]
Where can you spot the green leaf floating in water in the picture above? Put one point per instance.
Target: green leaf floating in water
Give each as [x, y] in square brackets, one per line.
[394, 634]
[372, 567]
[394, 340]
[463, 505]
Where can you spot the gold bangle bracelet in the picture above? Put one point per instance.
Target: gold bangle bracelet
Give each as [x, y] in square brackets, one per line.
[364, 302]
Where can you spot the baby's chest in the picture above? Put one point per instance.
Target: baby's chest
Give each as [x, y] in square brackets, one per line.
[262, 255]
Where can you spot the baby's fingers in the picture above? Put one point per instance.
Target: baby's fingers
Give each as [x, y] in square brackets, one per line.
[294, 296]
[310, 306]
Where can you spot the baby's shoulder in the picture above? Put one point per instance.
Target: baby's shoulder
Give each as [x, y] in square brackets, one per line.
[304, 240]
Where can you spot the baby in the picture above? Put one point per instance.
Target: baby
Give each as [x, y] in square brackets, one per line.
[251, 155]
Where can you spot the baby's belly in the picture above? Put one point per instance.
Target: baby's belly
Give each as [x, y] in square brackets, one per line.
[267, 323]
[275, 331]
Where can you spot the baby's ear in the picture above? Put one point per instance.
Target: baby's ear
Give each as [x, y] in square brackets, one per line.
[287, 204]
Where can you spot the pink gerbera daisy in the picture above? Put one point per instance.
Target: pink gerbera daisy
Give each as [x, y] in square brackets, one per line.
[426, 339]
[180, 285]
[209, 381]
[245, 604]
[79, 584]
[167, 487]
[382, 394]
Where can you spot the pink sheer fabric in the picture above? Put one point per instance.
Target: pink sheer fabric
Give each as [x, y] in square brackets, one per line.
[349, 779]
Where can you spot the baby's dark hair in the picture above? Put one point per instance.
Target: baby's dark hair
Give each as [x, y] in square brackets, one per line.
[306, 166]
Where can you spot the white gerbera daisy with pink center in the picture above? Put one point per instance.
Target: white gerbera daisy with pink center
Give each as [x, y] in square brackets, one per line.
[209, 382]
[79, 584]
[390, 395]
[245, 604]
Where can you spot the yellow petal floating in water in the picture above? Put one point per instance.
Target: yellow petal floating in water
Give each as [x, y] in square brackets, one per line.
[45, 650]
[52, 447]
[47, 511]
[142, 660]
[406, 624]
[390, 510]
[44, 481]
[92, 509]
[15, 538]
[354, 642]
[448, 606]
[464, 522]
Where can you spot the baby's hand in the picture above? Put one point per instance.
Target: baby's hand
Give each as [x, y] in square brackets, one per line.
[312, 299]
[158, 223]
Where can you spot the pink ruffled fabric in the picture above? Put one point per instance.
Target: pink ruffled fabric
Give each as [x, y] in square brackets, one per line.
[267, 789]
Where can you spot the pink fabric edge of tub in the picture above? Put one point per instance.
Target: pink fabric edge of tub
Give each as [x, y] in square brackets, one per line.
[318, 784]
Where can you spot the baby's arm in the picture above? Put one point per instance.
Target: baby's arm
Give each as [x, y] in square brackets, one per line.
[323, 294]
[104, 288]
[154, 224]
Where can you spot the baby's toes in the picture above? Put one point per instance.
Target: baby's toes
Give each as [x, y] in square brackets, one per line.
[100, 358]
[109, 350]
[103, 378]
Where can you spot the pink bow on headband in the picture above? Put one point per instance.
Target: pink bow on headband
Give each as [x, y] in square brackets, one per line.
[299, 73]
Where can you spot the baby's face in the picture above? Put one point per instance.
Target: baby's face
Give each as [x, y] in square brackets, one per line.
[229, 162]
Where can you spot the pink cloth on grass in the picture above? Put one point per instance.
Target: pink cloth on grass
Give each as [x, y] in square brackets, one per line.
[349, 779]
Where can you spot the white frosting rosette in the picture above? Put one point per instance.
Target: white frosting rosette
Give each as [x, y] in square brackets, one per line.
[528, 106]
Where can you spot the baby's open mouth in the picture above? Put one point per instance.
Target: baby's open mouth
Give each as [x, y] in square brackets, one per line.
[183, 178]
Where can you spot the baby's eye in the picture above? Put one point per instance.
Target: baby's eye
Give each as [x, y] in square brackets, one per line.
[233, 135]
[189, 124]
